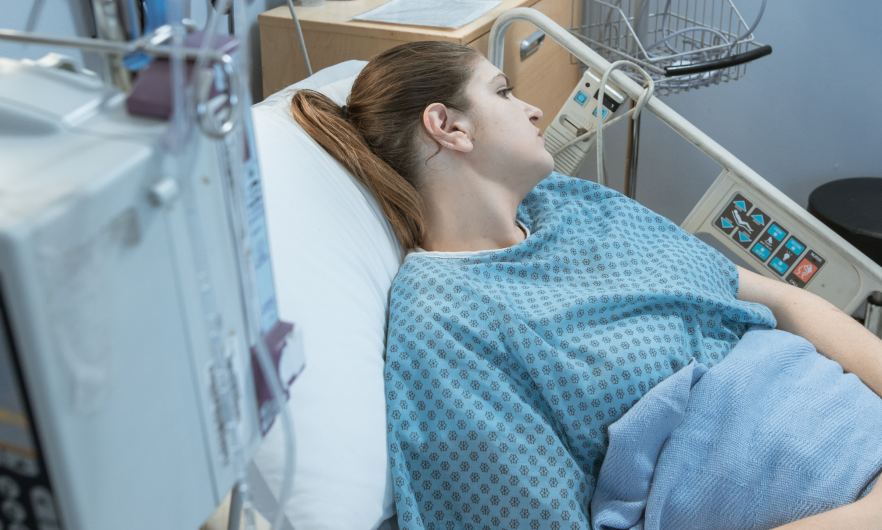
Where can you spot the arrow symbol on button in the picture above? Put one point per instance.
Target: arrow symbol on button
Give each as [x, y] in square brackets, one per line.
[759, 219]
[725, 222]
[744, 238]
[741, 205]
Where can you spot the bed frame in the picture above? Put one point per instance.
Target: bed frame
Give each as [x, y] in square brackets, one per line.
[815, 258]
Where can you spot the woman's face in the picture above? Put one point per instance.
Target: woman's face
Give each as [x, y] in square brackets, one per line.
[505, 137]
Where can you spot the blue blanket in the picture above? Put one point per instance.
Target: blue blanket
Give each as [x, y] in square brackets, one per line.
[773, 434]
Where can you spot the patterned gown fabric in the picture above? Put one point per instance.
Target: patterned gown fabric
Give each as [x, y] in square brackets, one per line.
[504, 368]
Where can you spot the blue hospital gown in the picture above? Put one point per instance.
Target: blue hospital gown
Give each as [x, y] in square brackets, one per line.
[504, 368]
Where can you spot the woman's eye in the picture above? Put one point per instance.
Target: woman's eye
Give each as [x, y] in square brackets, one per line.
[504, 92]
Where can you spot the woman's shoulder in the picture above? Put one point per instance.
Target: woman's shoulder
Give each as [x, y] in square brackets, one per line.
[419, 274]
[559, 192]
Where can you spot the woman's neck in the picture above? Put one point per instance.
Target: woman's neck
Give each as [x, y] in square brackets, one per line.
[466, 212]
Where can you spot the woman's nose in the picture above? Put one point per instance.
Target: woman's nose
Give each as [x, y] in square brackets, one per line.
[534, 113]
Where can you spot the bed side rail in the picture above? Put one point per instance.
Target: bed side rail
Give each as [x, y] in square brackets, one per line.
[802, 250]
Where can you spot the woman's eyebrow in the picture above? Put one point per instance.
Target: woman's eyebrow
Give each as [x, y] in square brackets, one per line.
[503, 76]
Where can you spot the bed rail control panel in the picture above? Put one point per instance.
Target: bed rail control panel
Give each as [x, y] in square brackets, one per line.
[780, 240]
[576, 118]
[769, 241]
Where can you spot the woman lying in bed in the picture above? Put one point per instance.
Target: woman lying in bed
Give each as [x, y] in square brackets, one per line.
[535, 310]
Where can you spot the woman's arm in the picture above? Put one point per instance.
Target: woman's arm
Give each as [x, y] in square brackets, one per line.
[840, 338]
[833, 333]
[865, 514]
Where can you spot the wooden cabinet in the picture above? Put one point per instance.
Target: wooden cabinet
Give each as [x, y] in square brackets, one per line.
[544, 79]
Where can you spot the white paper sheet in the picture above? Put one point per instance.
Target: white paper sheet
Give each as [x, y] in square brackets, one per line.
[436, 13]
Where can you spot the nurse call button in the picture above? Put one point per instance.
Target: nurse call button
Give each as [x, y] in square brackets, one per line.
[806, 269]
[810, 264]
[581, 98]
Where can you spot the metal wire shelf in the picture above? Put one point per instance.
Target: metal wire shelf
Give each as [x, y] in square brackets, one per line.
[682, 44]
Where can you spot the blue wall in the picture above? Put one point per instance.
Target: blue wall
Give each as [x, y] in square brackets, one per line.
[809, 113]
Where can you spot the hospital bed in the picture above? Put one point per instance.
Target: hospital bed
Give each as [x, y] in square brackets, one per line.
[335, 257]
[339, 271]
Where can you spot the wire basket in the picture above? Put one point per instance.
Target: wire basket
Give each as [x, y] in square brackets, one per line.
[682, 44]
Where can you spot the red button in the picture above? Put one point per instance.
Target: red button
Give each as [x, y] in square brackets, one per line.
[805, 270]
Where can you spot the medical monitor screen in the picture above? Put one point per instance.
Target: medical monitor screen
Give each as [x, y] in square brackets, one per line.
[25, 494]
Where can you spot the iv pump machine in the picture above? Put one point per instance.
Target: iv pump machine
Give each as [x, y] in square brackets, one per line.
[125, 351]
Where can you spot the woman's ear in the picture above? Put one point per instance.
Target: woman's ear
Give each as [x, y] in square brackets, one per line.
[449, 128]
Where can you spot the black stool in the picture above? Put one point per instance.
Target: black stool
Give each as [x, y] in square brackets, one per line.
[853, 209]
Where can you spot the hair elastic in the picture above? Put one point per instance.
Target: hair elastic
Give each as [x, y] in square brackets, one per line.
[344, 112]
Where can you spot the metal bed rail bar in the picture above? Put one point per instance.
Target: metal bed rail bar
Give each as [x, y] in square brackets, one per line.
[151, 44]
[867, 271]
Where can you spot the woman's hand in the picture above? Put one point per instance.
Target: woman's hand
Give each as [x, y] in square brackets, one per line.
[833, 333]
[865, 514]
[842, 339]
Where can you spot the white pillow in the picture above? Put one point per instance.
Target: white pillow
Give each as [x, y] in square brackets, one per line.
[334, 256]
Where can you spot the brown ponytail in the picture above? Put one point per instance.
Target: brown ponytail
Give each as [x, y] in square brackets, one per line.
[377, 140]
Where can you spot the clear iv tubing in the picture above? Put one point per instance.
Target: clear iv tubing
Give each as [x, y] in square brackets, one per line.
[251, 311]
[251, 314]
[184, 146]
[213, 319]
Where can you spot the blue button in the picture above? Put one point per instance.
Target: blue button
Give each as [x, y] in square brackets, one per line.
[605, 112]
[776, 232]
[761, 251]
[795, 246]
[778, 265]
[581, 98]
